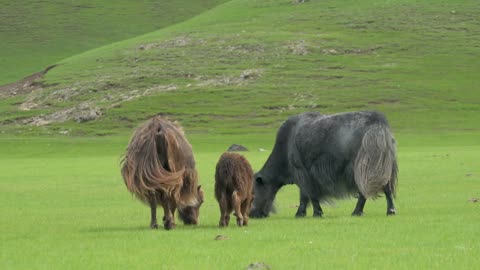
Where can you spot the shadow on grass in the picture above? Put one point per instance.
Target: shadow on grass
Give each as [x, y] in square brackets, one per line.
[115, 229]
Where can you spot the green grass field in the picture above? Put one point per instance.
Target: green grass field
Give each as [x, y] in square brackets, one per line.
[232, 74]
[64, 205]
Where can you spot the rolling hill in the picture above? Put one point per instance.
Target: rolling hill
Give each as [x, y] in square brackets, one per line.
[245, 65]
[35, 34]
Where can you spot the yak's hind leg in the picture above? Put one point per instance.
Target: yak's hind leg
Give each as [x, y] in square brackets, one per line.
[224, 212]
[389, 196]
[317, 210]
[302, 208]
[246, 205]
[153, 212]
[359, 207]
[237, 202]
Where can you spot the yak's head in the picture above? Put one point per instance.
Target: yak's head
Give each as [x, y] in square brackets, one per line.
[264, 193]
[189, 214]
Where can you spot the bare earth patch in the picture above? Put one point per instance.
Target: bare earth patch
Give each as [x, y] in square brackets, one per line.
[81, 113]
[384, 101]
[298, 47]
[258, 265]
[177, 42]
[338, 51]
[245, 76]
[25, 85]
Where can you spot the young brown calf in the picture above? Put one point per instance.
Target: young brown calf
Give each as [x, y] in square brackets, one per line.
[234, 188]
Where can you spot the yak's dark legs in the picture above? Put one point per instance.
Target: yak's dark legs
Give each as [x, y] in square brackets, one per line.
[153, 213]
[302, 208]
[317, 210]
[169, 214]
[224, 212]
[389, 196]
[237, 206]
[245, 208]
[359, 207]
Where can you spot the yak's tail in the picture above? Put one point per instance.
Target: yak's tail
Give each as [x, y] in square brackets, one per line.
[149, 163]
[376, 162]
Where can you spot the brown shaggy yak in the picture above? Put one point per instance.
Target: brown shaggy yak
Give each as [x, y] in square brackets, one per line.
[234, 188]
[159, 169]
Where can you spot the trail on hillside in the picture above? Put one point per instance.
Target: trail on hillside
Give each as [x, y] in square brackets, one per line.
[25, 85]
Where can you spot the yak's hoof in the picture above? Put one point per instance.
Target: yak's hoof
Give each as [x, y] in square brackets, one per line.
[318, 214]
[391, 212]
[154, 226]
[258, 215]
[300, 214]
[240, 223]
[357, 213]
[168, 225]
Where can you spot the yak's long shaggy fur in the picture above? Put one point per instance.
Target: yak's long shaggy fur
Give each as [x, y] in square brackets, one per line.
[159, 164]
[376, 162]
[330, 156]
[234, 188]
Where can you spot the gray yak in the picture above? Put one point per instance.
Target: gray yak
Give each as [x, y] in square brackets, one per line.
[330, 156]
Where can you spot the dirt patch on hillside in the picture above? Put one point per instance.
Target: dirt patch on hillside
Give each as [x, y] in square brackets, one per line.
[81, 113]
[245, 76]
[354, 51]
[25, 85]
[298, 47]
[385, 101]
[176, 42]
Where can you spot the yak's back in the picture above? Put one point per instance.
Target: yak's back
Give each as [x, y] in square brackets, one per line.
[159, 158]
[345, 148]
[339, 134]
[233, 172]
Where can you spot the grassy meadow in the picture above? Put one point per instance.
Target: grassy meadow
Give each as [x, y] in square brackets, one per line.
[64, 205]
[231, 72]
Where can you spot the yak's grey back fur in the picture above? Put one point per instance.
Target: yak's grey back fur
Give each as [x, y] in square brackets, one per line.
[342, 154]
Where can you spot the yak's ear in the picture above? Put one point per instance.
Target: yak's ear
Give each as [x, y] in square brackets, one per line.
[200, 192]
[259, 180]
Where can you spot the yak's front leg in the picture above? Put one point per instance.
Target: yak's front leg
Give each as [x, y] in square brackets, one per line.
[390, 206]
[317, 210]
[153, 212]
[169, 211]
[359, 207]
[302, 208]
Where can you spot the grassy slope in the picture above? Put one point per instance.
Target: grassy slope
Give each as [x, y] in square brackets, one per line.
[412, 60]
[35, 34]
[63, 205]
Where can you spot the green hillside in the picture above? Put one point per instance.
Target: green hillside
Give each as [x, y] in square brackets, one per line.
[35, 34]
[246, 65]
